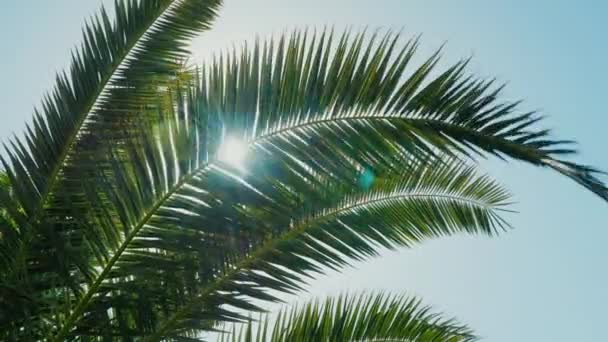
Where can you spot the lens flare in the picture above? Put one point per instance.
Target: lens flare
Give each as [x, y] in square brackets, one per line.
[233, 152]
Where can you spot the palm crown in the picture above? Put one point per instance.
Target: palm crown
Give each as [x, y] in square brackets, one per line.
[120, 219]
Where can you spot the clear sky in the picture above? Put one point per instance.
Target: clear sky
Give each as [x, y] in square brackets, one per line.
[544, 281]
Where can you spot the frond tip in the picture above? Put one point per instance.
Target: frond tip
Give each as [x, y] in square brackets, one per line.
[366, 317]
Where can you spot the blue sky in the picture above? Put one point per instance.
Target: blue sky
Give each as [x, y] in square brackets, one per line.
[544, 281]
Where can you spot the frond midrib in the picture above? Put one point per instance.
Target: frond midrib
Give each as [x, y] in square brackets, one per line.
[410, 195]
[354, 117]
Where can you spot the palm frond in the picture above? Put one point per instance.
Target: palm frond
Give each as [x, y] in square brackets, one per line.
[338, 223]
[365, 317]
[267, 97]
[121, 63]
[313, 94]
[108, 77]
[109, 81]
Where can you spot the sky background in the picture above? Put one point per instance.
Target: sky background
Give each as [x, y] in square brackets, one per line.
[544, 281]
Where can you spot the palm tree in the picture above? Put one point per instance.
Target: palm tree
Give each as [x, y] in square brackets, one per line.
[152, 200]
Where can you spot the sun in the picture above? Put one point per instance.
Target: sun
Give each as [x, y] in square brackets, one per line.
[233, 152]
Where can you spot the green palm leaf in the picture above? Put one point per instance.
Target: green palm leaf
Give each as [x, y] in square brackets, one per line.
[107, 84]
[108, 75]
[369, 317]
[403, 210]
[313, 94]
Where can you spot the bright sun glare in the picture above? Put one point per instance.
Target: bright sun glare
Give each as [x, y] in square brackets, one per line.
[233, 152]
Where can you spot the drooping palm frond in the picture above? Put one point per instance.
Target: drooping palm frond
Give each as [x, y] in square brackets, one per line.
[354, 318]
[144, 42]
[317, 97]
[107, 84]
[107, 81]
[344, 224]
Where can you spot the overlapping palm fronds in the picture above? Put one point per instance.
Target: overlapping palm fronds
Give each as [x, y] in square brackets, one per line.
[120, 220]
[108, 77]
[219, 237]
[108, 81]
